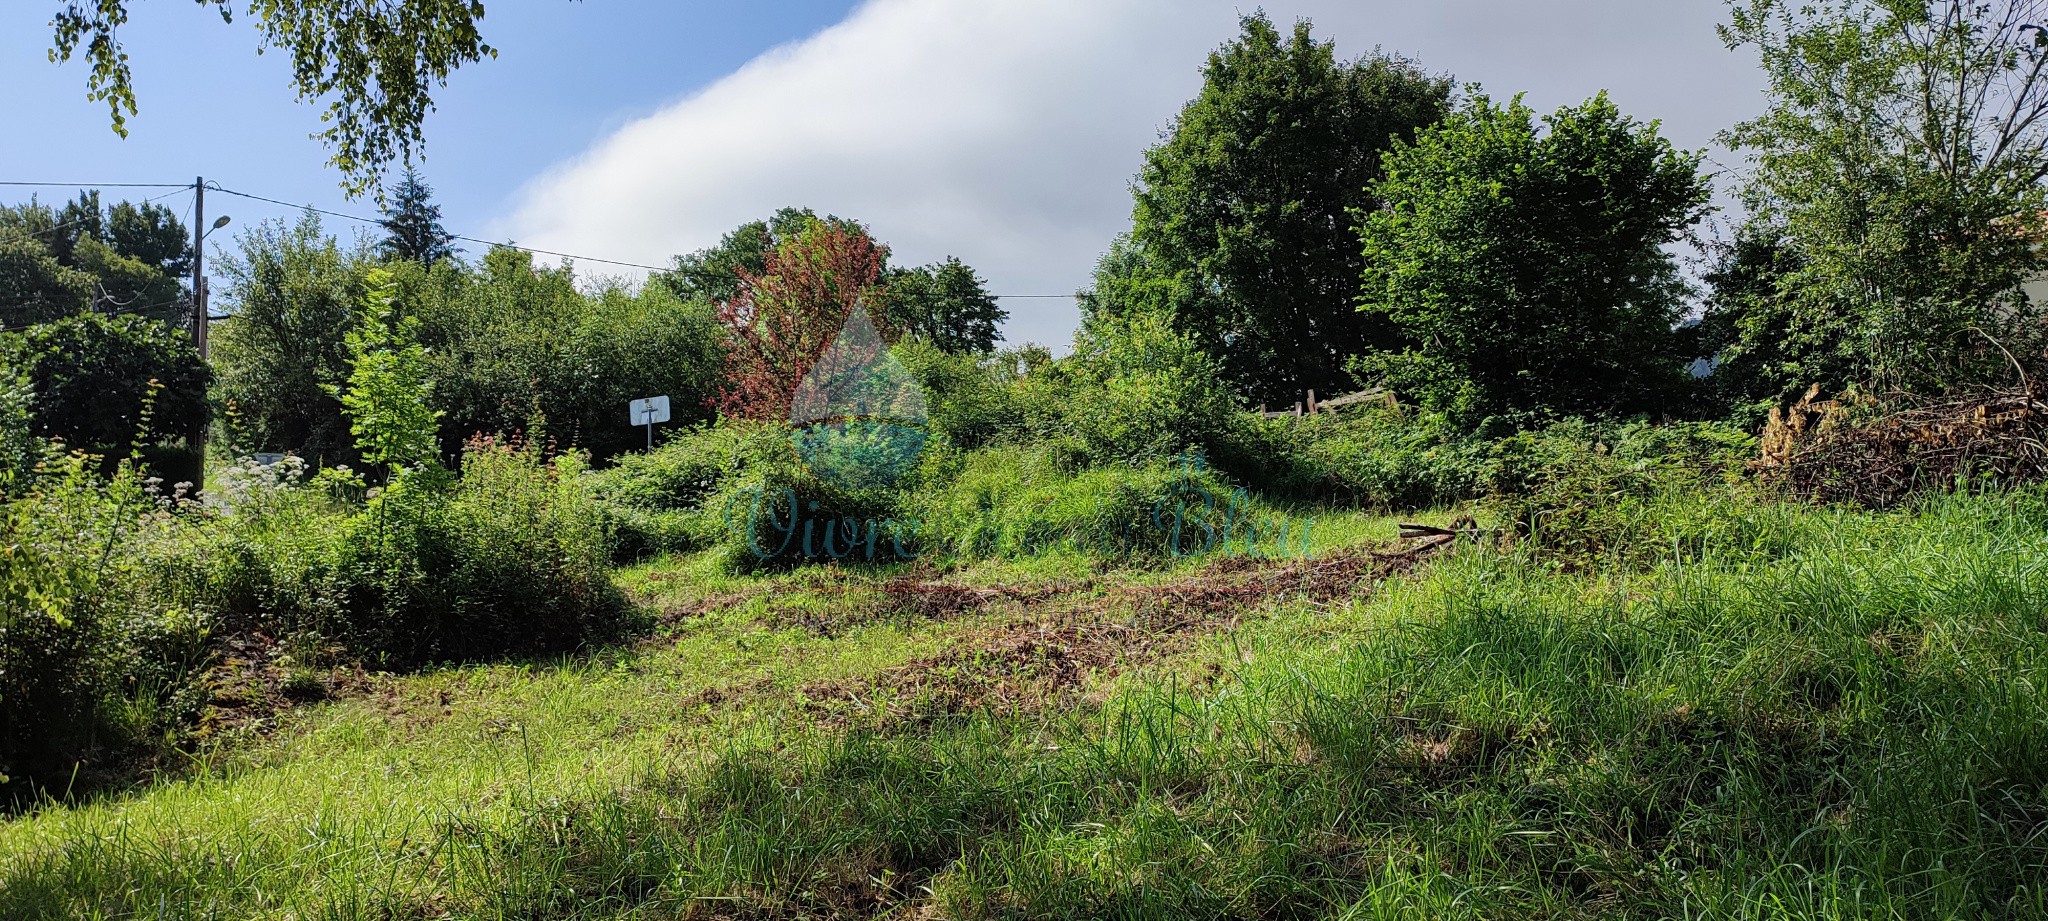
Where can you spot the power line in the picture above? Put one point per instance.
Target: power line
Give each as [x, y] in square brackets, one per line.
[371, 220]
[538, 252]
[466, 239]
[106, 185]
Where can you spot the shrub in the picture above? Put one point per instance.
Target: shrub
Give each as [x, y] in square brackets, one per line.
[1389, 458]
[1006, 502]
[654, 499]
[104, 385]
[1134, 391]
[511, 559]
[1582, 493]
[96, 644]
[972, 400]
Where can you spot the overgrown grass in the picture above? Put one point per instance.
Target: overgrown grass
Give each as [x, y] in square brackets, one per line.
[1791, 713]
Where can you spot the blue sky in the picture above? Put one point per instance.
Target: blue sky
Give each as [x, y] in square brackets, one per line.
[567, 73]
[1005, 132]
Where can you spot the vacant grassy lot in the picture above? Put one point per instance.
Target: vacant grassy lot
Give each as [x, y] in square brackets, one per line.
[1793, 713]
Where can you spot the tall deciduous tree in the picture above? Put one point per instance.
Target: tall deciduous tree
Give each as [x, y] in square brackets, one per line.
[785, 316]
[714, 274]
[293, 294]
[947, 305]
[1901, 161]
[412, 224]
[1248, 205]
[1528, 267]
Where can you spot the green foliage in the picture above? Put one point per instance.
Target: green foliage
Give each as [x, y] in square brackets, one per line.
[1586, 494]
[412, 224]
[510, 559]
[97, 640]
[110, 385]
[56, 263]
[1244, 213]
[713, 274]
[972, 399]
[1133, 391]
[35, 287]
[388, 389]
[507, 344]
[945, 304]
[1011, 503]
[510, 343]
[376, 66]
[1382, 457]
[1530, 269]
[1900, 164]
[293, 295]
[675, 498]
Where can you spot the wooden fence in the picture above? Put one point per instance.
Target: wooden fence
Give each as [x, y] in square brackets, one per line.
[1311, 405]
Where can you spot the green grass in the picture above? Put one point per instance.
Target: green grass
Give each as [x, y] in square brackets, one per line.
[1797, 713]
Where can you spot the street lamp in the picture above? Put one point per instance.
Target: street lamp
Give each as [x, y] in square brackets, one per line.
[200, 318]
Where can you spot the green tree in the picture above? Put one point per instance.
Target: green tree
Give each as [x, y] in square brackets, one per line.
[108, 385]
[35, 287]
[946, 304]
[1901, 159]
[293, 294]
[412, 224]
[1748, 323]
[511, 343]
[713, 274]
[1248, 206]
[1529, 267]
[388, 388]
[376, 65]
[125, 259]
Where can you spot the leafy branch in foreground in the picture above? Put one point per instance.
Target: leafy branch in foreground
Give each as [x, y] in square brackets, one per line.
[376, 63]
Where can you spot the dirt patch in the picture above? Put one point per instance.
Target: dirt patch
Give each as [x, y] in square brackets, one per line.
[249, 687]
[1023, 667]
[1073, 636]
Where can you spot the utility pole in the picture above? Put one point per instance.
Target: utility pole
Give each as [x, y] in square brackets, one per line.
[199, 321]
[199, 266]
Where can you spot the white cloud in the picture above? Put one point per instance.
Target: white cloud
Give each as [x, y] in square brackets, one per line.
[1006, 132]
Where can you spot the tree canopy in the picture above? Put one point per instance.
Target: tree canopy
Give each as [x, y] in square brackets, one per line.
[1900, 162]
[947, 305]
[412, 224]
[1247, 207]
[109, 385]
[56, 262]
[1528, 267]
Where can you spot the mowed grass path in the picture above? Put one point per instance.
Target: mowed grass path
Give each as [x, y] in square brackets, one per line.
[1798, 714]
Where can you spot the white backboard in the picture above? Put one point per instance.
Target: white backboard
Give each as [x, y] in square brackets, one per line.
[650, 411]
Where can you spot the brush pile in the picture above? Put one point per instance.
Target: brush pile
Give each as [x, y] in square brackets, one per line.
[1876, 452]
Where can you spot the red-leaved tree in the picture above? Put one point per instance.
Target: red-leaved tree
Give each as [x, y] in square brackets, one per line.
[786, 316]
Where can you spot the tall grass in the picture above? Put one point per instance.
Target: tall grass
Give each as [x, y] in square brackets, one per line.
[1804, 713]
